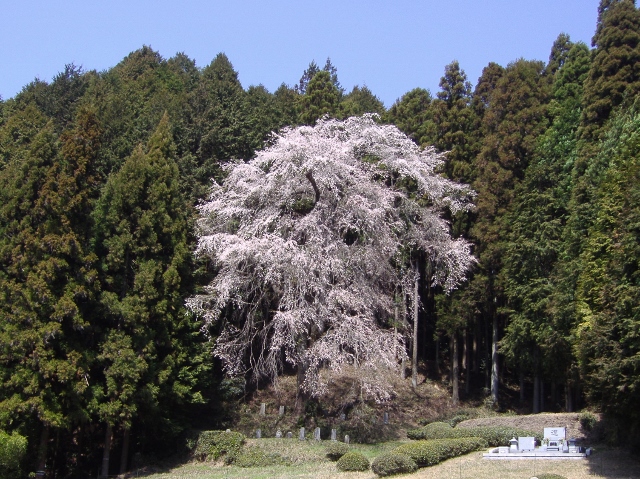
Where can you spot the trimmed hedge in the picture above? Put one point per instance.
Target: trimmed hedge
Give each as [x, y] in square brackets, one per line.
[256, 457]
[494, 435]
[335, 450]
[211, 445]
[352, 461]
[434, 430]
[434, 451]
[391, 463]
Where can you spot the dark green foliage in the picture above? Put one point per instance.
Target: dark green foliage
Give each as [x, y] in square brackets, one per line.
[392, 463]
[18, 131]
[412, 115]
[614, 73]
[321, 98]
[212, 445]
[335, 450]
[432, 452]
[13, 448]
[353, 461]
[360, 101]
[493, 435]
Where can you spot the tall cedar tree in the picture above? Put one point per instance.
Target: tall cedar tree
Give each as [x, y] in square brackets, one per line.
[538, 335]
[47, 281]
[513, 116]
[141, 240]
[453, 116]
[608, 291]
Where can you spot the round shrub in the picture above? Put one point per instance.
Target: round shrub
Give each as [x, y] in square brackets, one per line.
[392, 463]
[353, 461]
[587, 421]
[335, 450]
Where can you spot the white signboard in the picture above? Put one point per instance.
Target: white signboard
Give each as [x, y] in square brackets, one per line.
[555, 433]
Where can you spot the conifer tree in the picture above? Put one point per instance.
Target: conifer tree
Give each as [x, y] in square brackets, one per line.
[48, 281]
[321, 98]
[141, 239]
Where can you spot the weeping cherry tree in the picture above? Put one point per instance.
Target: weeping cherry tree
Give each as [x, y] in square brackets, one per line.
[307, 241]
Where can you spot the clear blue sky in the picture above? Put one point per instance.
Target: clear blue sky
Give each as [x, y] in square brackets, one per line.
[390, 46]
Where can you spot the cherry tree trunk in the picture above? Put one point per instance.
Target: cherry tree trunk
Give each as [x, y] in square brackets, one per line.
[414, 352]
[494, 361]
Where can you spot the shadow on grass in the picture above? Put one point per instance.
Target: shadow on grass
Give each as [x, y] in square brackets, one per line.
[614, 464]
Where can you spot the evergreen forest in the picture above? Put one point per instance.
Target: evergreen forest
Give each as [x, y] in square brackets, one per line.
[102, 173]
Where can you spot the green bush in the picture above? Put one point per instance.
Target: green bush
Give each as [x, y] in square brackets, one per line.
[13, 448]
[335, 450]
[494, 435]
[392, 463]
[587, 420]
[353, 461]
[256, 457]
[434, 451]
[546, 475]
[211, 445]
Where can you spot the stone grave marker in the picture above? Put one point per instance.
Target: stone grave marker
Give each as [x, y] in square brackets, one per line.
[333, 435]
[385, 418]
[281, 412]
[289, 435]
[526, 443]
[278, 433]
[258, 434]
[346, 438]
[554, 437]
[316, 434]
[263, 409]
[301, 436]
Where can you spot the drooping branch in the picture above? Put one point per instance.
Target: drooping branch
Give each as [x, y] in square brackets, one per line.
[309, 176]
